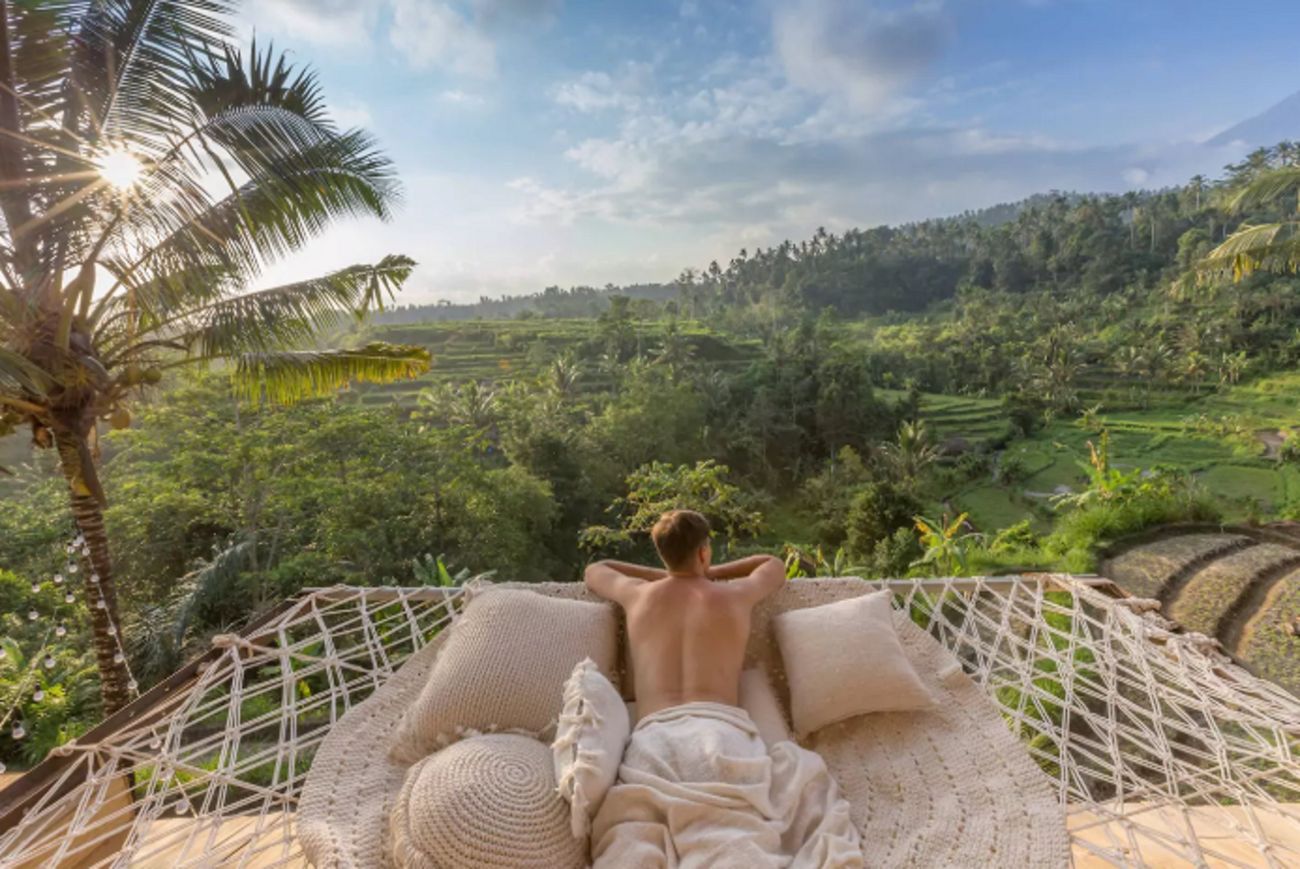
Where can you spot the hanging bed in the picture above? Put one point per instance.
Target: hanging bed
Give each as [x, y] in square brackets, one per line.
[1075, 726]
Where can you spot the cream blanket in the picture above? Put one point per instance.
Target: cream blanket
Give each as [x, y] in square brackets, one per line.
[698, 788]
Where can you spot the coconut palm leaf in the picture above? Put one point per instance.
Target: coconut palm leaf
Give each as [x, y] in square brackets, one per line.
[148, 48]
[20, 375]
[1265, 188]
[268, 217]
[1273, 247]
[286, 377]
[287, 315]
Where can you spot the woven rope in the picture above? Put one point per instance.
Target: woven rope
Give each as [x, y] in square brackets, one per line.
[1160, 749]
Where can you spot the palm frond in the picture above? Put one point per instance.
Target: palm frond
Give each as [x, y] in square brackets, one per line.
[21, 377]
[290, 376]
[1267, 187]
[1273, 247]
[134, 59]
[271, 215]
[283, 316]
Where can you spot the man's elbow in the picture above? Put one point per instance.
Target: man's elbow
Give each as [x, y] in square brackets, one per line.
[776, 567]
[590, 574]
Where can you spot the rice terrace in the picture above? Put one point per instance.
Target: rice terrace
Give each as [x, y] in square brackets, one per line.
[552, 433]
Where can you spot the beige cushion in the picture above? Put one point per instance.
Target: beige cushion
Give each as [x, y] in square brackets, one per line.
[758, 698]
[844, 659]
[589, 743]
[488, 800]
[503, 668]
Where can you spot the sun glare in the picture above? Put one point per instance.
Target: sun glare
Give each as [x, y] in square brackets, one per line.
[119, 168]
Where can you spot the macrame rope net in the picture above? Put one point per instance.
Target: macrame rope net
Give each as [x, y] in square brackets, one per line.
[1161, 749]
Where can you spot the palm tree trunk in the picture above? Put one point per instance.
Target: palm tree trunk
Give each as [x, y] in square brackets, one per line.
[89, 515]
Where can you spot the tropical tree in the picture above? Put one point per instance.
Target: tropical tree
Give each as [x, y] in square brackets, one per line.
[148, 171]
[1269, 247]
[911, 454]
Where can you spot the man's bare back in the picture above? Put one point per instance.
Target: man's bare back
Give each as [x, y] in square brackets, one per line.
[687, 628]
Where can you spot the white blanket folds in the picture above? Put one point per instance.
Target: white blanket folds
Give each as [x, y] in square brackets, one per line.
[698, 788]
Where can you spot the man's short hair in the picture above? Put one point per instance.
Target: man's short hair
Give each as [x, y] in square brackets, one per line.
[678, 535]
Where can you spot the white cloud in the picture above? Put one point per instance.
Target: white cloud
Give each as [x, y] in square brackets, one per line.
[1136, 176]
[349, 113]
[460, 97]
[864, 52]
[621, 161]
[597, 90]
[436, 35]
[336, 23]
[458, 36]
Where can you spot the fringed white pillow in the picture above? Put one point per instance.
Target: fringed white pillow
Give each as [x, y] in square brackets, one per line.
[589, 742]
[502, 667]
[844, 659]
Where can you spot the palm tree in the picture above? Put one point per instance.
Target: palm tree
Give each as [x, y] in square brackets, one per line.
[1270, 247]
[563, 377]
[147, 173]
[911, 454]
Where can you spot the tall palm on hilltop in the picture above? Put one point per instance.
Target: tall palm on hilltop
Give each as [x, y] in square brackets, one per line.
[147, 171]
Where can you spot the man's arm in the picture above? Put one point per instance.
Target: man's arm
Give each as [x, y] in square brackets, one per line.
[756, 576]
[618, 580]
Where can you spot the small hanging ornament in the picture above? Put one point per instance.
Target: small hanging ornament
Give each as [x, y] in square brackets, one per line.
[133, 685]
[182, 805]
[36, 587]
[112, 630]
[72, 567]
[68, 598]
[155, 743]
[101, 604]
[61, 630]
[58, 579]
[94, 577]
[49, 662]
[33, 615]
[38, 695]
[18, 732]
[118, 658]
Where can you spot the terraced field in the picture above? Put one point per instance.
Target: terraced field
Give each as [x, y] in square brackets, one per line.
[506, 349]
[1243, 588]
[1148, 569]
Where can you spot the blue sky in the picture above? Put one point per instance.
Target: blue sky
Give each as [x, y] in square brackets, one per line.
[565, 141]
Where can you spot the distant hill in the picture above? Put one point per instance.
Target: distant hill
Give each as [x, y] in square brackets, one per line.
[1278, 123]
[550, 302]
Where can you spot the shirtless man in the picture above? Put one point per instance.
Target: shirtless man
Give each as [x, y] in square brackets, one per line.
[687, 632]
[697, 786]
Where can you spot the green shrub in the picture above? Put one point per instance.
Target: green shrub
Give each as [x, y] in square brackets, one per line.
[877, 511]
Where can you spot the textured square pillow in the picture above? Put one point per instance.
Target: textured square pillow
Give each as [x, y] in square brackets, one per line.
[503, 667]
[589, 743]
[758, 698]
[845, 659]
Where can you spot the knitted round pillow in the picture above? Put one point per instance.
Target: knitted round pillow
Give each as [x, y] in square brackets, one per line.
[489, 800]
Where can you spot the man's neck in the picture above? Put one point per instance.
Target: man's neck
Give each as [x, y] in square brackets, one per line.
[686, 576]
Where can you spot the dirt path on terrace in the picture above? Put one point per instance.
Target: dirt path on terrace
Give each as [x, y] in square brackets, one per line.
[1240, 625]
[1272, 440]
